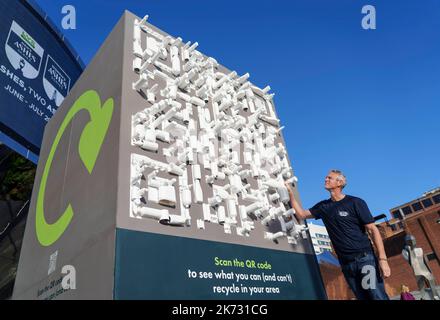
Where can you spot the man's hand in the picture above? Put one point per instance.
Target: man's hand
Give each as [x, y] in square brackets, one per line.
[385, 270]
[375, 236]
[299, 211]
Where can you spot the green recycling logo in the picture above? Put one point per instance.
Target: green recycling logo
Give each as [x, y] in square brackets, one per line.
[90, 144]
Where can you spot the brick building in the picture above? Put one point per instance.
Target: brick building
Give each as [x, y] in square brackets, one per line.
[421, 218]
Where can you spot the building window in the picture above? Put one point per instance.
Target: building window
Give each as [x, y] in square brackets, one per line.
[436, 198]
[406, 210]
[427, 202]
[396, 214]
[417, 206]
[431, 256]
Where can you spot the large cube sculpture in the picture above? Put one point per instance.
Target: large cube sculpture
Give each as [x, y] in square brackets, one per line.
[161, 176]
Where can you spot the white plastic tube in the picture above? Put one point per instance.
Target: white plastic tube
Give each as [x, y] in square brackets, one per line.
[175, 169]
[196, 172]
[174, 220]
[249, 197]
[147, 212]
[185, 56]
[244, 86]
[186, 45]
[148, 145]
[206, 212]
[184, 96]
[243, 78]
[192, 74]
[225, 105]
[153, 58]
[221, 215]
[274, 197]
[202, 91]
[170, 113]
[275, 184]
[232, 75]
[211, 61]
[221, 191]
[232, 208]
[151, 97]
[245, 106]
[146, 53]
[220, 82]
[186, 197]
[245, 173]
[266, 220]
[175, 61]
[273, 121]
[286, 173]
[198, 194]
[167, 196]
[176, 41]
[254, 206]
[183, 82]
[215, 201]
[150, 163]
[193, 47]
[142, 82]
[198, 102]
[162, 75]
[157, 182]
[243, 214]
[157, 107]
[209, 179]
[137, 62]
[221, 176]
[200, 81]
[150, 135]
[266, 89]
[255, 170]
[137, 49]
[142, 23]
[273, 236]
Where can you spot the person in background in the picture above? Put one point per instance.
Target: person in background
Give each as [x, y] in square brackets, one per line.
[405, 294]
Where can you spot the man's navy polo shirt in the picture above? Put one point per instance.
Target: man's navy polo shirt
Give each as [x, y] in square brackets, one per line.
[345, 222]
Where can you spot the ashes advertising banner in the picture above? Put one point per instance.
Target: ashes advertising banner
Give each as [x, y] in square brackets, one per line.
[37, 71]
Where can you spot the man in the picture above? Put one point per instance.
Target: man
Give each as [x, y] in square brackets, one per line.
[348, 220]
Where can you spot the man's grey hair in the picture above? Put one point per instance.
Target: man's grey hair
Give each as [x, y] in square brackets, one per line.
[340, 177]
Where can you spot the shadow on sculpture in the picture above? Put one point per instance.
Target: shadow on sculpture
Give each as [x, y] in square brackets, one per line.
[419, 264]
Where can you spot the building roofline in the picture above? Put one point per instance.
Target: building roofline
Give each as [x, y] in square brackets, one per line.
[428, 194]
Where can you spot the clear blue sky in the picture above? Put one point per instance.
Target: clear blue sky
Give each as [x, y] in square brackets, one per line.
[364, 101]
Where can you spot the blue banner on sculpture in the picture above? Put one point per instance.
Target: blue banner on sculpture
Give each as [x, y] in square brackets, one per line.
[37, 71]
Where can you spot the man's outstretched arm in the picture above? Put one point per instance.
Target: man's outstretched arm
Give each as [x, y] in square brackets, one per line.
[299, 211]
[378, 243]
